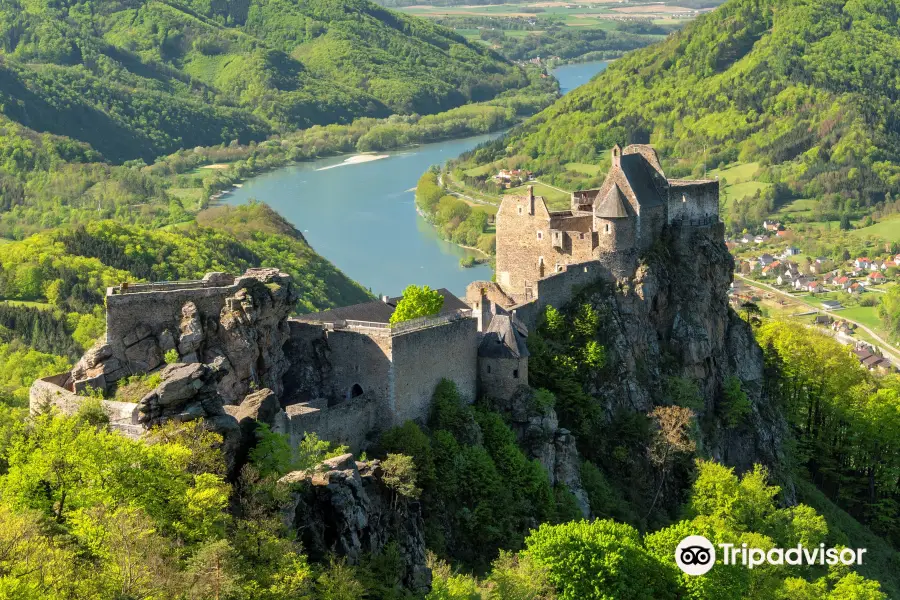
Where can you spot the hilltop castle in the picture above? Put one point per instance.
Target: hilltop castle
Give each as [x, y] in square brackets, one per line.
[346, 374]
[612, 224]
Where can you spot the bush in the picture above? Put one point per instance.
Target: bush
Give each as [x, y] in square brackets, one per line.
[599, 560]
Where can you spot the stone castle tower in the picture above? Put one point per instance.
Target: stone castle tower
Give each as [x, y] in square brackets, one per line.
[612, 224]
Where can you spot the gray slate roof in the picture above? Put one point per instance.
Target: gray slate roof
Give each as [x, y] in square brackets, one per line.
[504, 338]
[613, 205]
[378, 311]
[639, 174]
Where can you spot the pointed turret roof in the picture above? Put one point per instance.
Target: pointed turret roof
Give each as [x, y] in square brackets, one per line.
[504, 338]
[613, 204]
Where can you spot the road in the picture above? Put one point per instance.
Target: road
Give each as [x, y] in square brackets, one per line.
[889, 350]
[461, 195]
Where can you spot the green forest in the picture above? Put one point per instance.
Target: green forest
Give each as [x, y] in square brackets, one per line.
[143, 79]
[111, 109]
[805, 89]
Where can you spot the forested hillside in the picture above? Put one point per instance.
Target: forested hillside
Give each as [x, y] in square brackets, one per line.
[143, 78]
[52, 285]
[806, 89]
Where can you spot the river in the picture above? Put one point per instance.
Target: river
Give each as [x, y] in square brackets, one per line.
[362, 217]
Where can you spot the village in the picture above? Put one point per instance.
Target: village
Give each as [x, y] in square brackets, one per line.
[839, 295]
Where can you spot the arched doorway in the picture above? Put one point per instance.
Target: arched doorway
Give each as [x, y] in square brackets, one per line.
[355, 391]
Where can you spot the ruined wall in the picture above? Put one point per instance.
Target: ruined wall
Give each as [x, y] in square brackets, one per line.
[48, 392]
[501, 377]
[159, 309]
[360, 359]
[354, 422]
[422, 358]
[694, 203]
[519, 250]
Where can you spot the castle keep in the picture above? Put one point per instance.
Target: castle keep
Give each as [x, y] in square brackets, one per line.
[345, 373]
[612, 224]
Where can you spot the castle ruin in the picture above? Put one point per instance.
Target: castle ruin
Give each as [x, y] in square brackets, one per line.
[612, 224]
[346, 374]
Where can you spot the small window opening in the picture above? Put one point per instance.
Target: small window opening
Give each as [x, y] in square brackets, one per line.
[356, 391]
[489, 368]
[516, 373]
[607, 228]
[540, 235]
[520, 210]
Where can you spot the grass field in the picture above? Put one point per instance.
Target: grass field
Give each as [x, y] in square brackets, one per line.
[187, 194]
[28, 304]
[867, 315]
[797, 208]
[482, 170]
[888, 229]
[739, 181]
[555, 199]
[604, 15]
[585, 168]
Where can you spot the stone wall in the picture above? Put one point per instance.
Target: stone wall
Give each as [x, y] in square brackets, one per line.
[360, 359]
[241, 321]
[422, 358]
[694, 202]
[519, 251]
[651, 223]
[158, 308]
[351, 422]
[49, 392]
[559, 289]
[614, 235]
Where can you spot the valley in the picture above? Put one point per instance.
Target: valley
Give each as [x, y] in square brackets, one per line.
[448, 299]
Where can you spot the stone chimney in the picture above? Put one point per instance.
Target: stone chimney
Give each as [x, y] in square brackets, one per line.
[483, 312]
[616, 156]
[530, 190]
[385, 299]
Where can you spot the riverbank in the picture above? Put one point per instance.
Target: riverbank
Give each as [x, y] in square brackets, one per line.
[362, 217]
[463, 214]
[202, 175]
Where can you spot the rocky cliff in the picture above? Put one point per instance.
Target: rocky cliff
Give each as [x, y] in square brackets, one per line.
[344, 507]
[672, 319]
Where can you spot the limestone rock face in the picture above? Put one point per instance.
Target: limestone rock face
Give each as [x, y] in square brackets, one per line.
[672, 319]
[244, 331]
[187, 393]
[538, 432]
[343, 506]
[251, 333]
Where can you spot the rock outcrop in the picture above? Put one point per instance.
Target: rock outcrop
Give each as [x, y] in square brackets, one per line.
[241, 324]
[187, 393]
[344, 507]
[673, 319]
[539, 434]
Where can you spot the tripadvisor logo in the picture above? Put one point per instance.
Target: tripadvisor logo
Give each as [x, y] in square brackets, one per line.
[696, 555]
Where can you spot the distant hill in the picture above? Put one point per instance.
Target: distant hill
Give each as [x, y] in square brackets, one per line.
[143, 78]
[809, 90]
